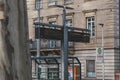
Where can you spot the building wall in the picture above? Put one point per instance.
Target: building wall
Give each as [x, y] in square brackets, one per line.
[104, 12]
[91, 55]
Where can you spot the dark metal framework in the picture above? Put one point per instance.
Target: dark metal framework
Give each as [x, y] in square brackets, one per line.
[44, 31]
[56, 33]
[62, 33]
[72, 61]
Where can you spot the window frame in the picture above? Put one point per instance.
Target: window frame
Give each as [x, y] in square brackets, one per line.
[94, 68]
[91, 26]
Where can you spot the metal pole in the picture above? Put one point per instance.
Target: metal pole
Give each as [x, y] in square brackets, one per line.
[103, 66]
[80, 70]
[73, 66]
[64, 45]
[38, 40]
[64, 48]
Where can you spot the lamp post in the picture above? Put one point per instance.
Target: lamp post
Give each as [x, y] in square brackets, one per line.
[103, 66]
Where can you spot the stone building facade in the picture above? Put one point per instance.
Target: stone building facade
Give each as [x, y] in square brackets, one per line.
[86, 14]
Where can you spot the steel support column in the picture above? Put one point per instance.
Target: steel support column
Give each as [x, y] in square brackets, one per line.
[64, 44]
[38, 40]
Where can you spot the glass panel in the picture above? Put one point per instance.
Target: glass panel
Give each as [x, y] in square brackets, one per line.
[89, 19]
[91, 74]
[92, 18]
[91, 25]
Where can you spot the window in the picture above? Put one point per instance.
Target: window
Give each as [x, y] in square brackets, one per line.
[90, 24]
[52, 43]
[52, 2]
[38, 4]
[90, 68]
[69, 23]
